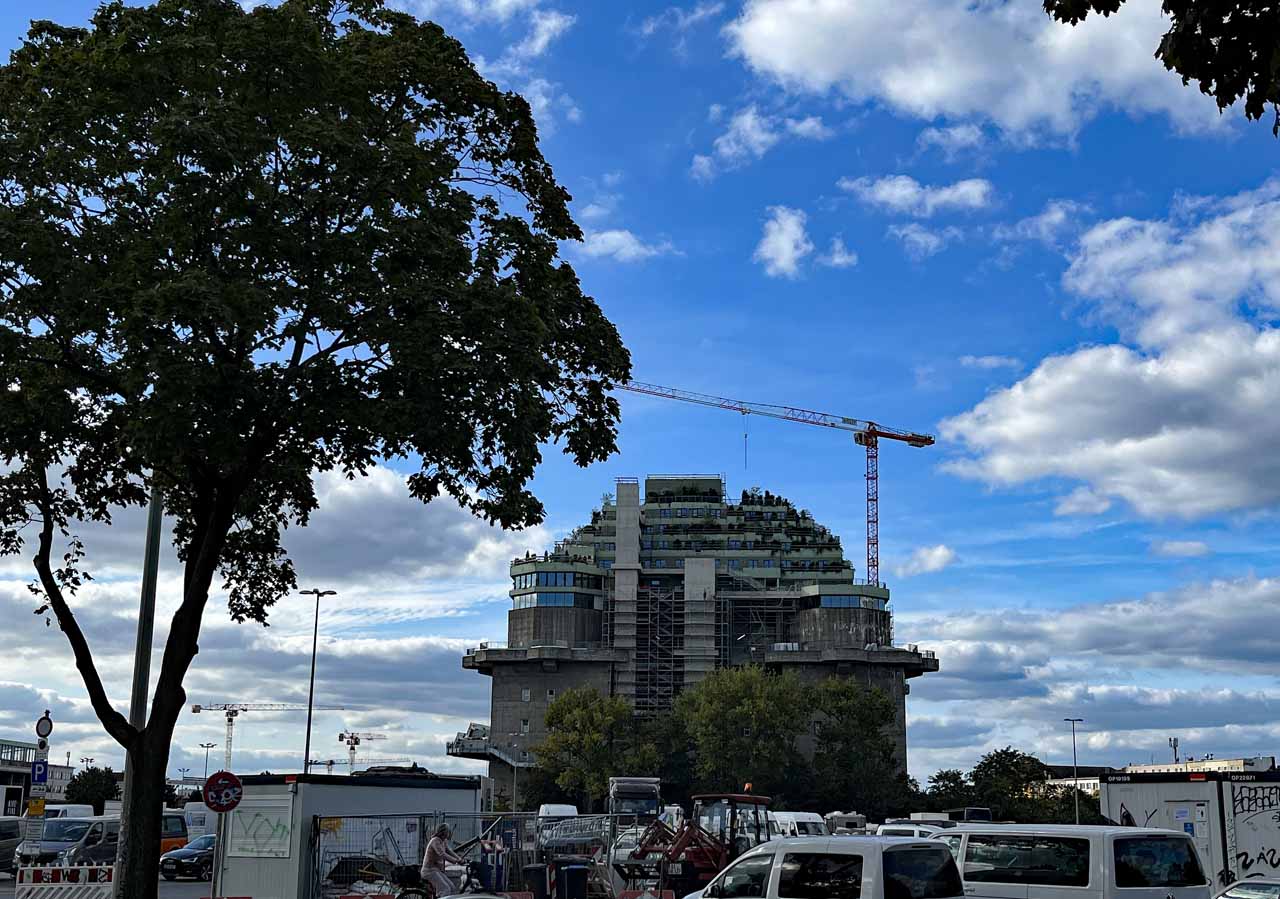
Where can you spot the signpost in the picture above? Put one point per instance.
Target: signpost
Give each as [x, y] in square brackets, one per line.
[39, 781]
[222, 793]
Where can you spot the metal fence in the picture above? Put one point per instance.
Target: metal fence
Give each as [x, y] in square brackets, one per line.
[372, 854]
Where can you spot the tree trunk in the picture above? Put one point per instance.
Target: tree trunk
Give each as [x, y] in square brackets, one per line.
[137, 872]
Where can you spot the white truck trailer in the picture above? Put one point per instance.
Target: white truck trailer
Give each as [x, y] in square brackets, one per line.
[1233, 817]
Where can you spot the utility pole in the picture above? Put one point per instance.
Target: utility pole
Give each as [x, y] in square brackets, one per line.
[206, 747]
[1173, 744]
[311, 688]
[1075, 770]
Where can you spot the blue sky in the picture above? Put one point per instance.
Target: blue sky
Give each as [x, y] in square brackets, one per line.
[963, 219]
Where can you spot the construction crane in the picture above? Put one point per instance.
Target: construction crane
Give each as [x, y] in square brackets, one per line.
[866, 434]
[353, 739]
[329, 763]
[233, 710]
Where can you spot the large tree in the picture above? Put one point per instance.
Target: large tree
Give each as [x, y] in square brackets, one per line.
[240, 248]
[591, 738]
[1012, 783]
[93, 786]
[1230, 47]
[854, 762]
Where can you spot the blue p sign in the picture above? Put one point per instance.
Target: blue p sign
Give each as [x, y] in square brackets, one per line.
[40, 772]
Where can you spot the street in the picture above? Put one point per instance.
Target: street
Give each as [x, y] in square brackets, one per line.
[182, 889]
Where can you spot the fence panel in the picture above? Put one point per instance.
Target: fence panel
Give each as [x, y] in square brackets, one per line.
[64, 883]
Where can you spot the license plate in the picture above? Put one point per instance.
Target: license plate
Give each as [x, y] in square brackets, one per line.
[674, 868]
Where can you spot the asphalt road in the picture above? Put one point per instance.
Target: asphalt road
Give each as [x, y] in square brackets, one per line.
[179, 889]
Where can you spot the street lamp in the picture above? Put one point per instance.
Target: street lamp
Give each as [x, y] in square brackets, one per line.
[206, 747]
[311, 688]
[1075, 771]
[182, 772]
[86, 761]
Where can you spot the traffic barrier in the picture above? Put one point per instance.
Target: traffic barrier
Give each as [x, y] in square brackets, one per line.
[64, 883]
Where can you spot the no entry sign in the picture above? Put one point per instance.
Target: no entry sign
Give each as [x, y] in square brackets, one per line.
[222, 792]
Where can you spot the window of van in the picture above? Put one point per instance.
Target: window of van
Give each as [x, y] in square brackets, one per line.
[67, 830]
[897, 832]
[173, 826]
[1156, 862]
[811, 829]
[1041, 860]
[9, 830]
[921, 874]
[748, 879]
[812, 875]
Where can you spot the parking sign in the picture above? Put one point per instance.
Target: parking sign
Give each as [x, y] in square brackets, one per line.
[40, 771]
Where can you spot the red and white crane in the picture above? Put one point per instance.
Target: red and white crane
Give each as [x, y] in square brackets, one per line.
[867, 434]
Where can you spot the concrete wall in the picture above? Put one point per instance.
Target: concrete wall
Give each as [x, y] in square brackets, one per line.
[553, 625]
[699, 618]
[626, 579]
[831, 628]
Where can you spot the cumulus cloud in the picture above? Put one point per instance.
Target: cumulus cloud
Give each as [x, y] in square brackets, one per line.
[1180, 549]
[623, 246]
[545, 26]
[750, 134]
[952, 140]
[990, 362]
[549, 103]
[926, 560]
[839, 256]
[1059, 219]
[920, 242]
[905, 195]
[785, 242]
[1007, 64]
[1082, 501]
[1171, 419]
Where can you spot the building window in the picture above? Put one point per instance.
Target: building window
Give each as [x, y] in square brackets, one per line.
[551, 695]
[735, 544]
[683, 512]
[679, 563]
[525, 695]
[524, 725]
[664, 544]
[606, 564]
[664, 513]
[524, 755]
[735, 563]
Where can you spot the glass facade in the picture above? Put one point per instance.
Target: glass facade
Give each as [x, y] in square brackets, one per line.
[560, 600]
[843, 602]
[557, 579]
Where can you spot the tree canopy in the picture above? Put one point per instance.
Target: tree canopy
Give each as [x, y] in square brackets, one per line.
[93, 786]
[1229, 47]
[238, 248]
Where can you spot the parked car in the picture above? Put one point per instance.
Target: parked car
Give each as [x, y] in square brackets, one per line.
[1253, 888]
[68, 842]
[10, 837]
[1048, 861]
[193, 860]
[845, 867]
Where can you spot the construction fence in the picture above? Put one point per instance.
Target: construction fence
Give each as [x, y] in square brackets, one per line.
[567, 858]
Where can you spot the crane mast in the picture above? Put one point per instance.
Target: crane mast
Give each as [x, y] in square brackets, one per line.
[232, 711]
[866, 434]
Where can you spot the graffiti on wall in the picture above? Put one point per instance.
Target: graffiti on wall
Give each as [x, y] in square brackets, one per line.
[1253, 832]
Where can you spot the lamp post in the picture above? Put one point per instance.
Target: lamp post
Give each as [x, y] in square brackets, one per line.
[311, 688]
[1075, 771]
[183, 772]
[206, 747]
[86, 761]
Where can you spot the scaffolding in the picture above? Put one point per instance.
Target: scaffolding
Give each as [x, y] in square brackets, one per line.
[659, 642]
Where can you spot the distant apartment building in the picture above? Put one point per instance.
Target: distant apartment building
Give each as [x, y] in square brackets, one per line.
[665, 585]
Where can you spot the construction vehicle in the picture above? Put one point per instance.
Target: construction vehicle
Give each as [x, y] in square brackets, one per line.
[638, 796]
[685, 859]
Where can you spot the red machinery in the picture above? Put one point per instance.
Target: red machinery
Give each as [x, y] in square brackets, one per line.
[722, 827]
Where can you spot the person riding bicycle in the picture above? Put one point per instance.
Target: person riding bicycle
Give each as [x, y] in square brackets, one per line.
[437, 856]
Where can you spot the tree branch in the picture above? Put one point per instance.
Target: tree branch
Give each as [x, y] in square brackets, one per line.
[115, 723]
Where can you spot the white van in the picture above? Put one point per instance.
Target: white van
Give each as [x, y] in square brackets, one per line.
[799, 824]
[1065, 861]
[916, 829]
[65, 810]
[839, 868]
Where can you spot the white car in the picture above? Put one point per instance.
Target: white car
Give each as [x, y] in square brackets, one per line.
[839, 868]
[1253, 888]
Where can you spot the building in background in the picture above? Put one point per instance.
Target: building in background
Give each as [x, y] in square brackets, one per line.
[664, 587]
[16, 758]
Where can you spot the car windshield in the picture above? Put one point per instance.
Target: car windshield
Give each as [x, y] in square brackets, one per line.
[1253, 891]
[1156, 862]
[204, 842]
[65, 830]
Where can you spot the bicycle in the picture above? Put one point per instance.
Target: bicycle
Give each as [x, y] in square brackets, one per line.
[408, 883]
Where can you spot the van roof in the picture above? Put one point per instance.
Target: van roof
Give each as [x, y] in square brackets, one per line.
[841, 845]
[92, 818]
[797, 816]
[1067, 829]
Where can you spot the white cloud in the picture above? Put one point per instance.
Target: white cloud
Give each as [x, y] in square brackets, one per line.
[839, 256]
[919, 242]
[1059, 219]
[480, 10]
[810, 127]
[990, 362]
[785, 242]
[1180, 549]
[545, 26]
[547, 102]
[679, 20]
[1082, 501]
[907, 196]
[751, 134]
[1008, 64]
[1171, 421]
[623, 246]
[926, 560]
[952, 140]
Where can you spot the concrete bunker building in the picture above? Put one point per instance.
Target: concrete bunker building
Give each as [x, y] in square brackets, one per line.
[664, 587]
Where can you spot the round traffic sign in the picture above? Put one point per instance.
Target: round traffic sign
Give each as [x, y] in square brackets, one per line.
[222, 791]
[44, 726]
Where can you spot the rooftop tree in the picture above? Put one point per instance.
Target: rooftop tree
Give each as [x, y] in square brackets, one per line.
[240, 248]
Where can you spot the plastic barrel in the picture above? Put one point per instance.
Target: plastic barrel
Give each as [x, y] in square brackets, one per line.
[572, 882]
[535, 880]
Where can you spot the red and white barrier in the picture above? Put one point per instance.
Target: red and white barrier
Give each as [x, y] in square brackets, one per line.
[64, 883]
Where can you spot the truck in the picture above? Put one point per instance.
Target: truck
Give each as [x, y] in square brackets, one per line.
[635, 796]
[1233, 817]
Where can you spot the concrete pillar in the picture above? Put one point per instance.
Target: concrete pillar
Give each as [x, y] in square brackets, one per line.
[699, 618]
[626, 581]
